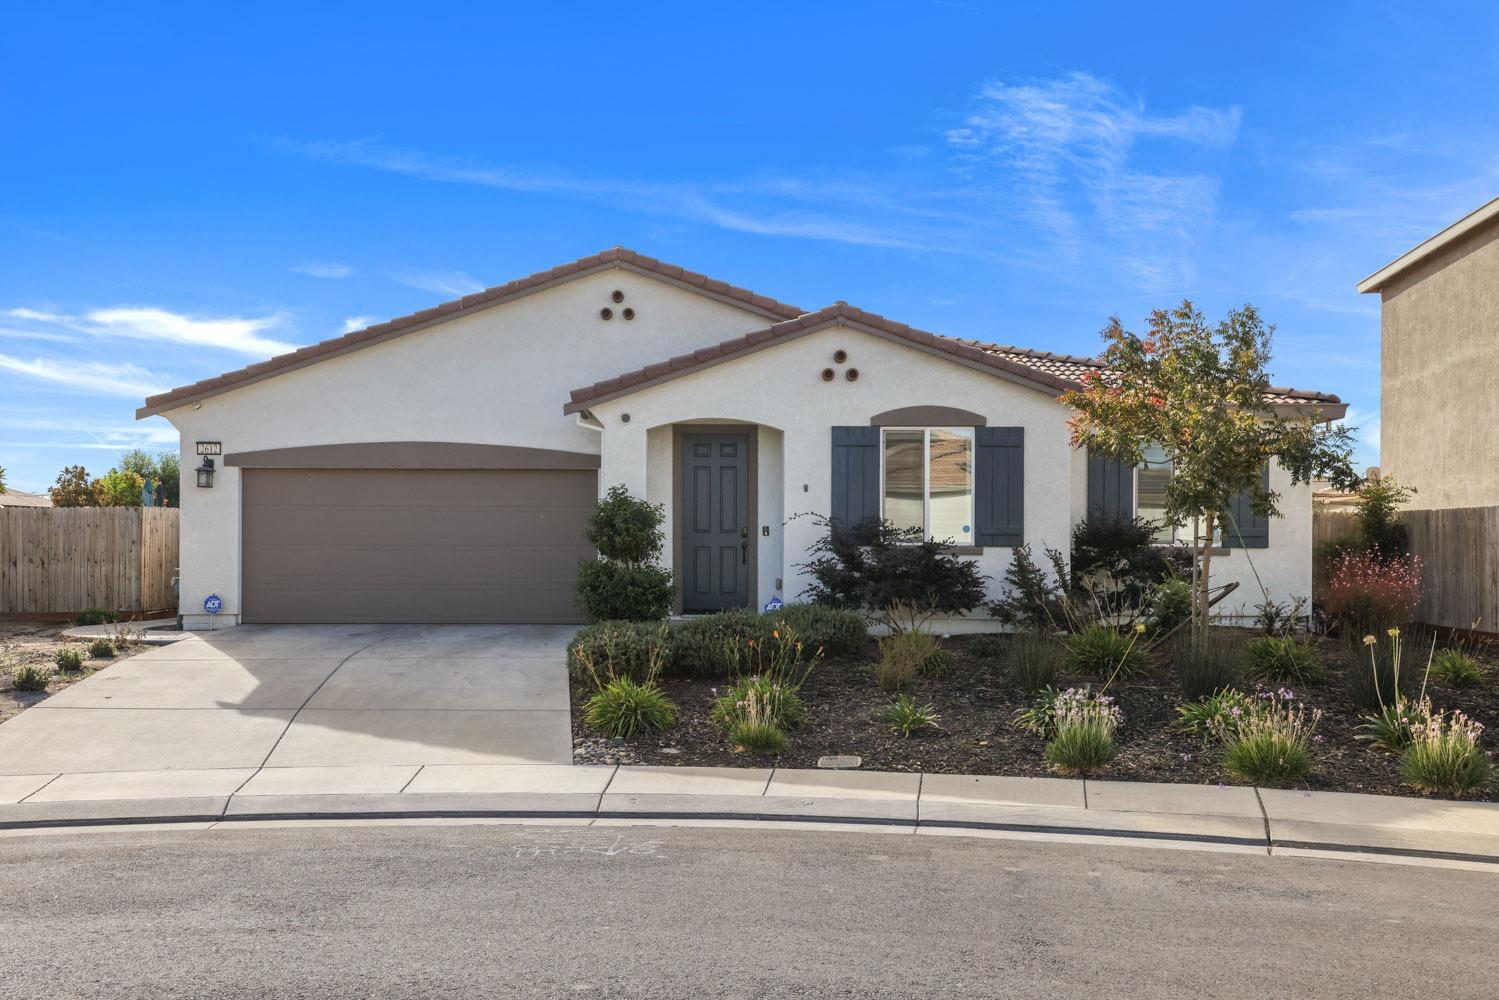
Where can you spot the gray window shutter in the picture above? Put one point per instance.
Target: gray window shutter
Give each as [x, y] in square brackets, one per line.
[1111, 489]
[856, 475]
[999, 486]
[1246, 529]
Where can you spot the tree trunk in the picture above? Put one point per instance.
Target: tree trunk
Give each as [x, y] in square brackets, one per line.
[1203, 577]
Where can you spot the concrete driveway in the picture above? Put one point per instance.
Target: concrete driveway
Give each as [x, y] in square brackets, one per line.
[310, 695]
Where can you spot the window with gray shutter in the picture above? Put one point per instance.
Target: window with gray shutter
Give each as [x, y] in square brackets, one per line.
[1244, 528]
[1111, 489]
[999, 486]
[856, 475]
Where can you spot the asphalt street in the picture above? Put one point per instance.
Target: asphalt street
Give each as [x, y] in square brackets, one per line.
[502, 911]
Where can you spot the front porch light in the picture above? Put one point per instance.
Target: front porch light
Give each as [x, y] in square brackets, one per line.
[205, 474]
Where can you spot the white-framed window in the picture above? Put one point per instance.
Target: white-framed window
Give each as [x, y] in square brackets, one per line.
[926, 481]
[1152, 476]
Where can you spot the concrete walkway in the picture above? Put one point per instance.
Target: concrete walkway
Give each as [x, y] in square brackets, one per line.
[1206, 817]
[305, 696]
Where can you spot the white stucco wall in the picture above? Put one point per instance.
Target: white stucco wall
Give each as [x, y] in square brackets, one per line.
[499, 376]
[781, 389]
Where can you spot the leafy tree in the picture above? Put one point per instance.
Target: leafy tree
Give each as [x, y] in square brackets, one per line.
[119, 488]
[169, 479]
[2, 479]
[1198, 392]
[74, 489]
[896, 574]
[625, 583]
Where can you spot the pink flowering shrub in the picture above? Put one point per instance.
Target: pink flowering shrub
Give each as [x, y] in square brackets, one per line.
[1366, 591]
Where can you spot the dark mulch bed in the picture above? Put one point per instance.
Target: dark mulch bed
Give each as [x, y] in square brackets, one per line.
[977, 735]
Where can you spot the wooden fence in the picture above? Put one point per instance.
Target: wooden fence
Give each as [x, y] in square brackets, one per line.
[1459, 550]
[62, 560]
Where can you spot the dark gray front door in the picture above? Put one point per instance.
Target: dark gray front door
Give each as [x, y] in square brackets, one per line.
[715, 521]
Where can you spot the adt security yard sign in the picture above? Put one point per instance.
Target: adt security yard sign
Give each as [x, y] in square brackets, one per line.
[774, 604]
[213, 604]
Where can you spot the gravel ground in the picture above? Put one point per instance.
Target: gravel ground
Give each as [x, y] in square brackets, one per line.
[36, 644]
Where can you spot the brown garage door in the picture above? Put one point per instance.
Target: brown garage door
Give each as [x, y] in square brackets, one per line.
[413, 545]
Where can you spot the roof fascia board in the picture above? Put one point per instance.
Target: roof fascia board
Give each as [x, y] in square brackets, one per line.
[1410, 258]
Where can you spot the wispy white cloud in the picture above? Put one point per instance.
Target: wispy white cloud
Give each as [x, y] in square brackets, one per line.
[802, 210]
[242, 335]
[90, 376]
[1068, 152]
[323, 269]
[352, 323]
[453, 284]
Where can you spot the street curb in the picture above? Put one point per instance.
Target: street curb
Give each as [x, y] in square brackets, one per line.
[149, 813]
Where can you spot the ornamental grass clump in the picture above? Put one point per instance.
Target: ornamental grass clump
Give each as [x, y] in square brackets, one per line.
[1271, 744]
[1456, 668]
[627, 701]
[623, 708]
[756, 729]
[1444, 756]
[1035, 661]
[1283, 659]
[905, 656]
[1100, 651]
[68, 660]
[1206, 664]
[1083, 726]
[770, 675]
[905, 716]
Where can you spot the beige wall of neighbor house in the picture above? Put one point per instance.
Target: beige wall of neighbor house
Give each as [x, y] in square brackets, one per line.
[497, 376]
[1439, 363]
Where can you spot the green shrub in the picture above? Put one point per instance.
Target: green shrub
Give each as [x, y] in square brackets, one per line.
[617, 591]
[985, 646]
[637, 650]
[905, 656]
[1035, 661]
[68, 660]
[1205, 665]
[97, 616]
[1218, 713]
[624, 583]
[1392, 727]
[30, 678]
[1283, 659]
[708, 646]
[763, 697]
[905, 716]
[1456, 668]
[1081, 748]
[833, 630]
[101, 649]
[1272, 744]
[1444, 756]
[1170, 605]
[624, 708]
[1100, 651]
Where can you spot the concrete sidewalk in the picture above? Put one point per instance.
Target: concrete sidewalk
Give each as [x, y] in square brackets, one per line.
[1279, 822]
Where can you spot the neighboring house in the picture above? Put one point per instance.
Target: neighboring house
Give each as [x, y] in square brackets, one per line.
[15, 498]
[1439, 308]
[439, 467]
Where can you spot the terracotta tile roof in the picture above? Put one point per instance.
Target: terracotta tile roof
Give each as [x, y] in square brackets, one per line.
[614, 257]
[1058, 372]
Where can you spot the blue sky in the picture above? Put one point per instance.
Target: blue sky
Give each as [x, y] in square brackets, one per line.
[189, 188]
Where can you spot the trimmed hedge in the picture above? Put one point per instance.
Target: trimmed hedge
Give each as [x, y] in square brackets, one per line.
[618, 649]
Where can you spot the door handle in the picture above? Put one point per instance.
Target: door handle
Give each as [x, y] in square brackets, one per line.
[744, 546]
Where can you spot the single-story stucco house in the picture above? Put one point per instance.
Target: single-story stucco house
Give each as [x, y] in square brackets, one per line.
[439, 467]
